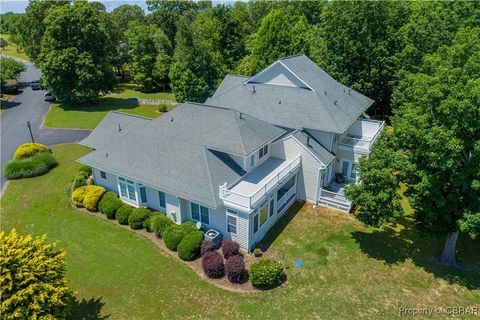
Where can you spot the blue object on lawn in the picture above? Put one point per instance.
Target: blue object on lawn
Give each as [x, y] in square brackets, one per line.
[298, 263]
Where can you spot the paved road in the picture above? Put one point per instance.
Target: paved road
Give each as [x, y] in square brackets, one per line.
[30, 106]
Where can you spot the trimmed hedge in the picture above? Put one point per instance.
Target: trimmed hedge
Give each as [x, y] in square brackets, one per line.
[123, 213]
[29, 167]
[230, 248]
[265, 272]
[173, 236]
[109, 204]
[137, 217]
[207, 245]
[212, 263]
[80, 180]
[92, 197]
[189, 247]
[87, 170]
[160, 223]
[235, 269]
[28, 150]
[78, 195]
[189, 226]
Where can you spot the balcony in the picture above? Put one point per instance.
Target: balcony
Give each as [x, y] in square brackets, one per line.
[252, 188]
[362, 135]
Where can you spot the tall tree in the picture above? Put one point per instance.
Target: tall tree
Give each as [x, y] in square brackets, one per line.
[33, 279]
[150, 53]
[436, 138]
[281, 33]
[355, 43]
[10, 69]
[75, 51]
[31, 26]
[198, 56]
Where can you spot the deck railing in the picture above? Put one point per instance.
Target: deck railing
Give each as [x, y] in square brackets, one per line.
[250, 200]
[364, 142]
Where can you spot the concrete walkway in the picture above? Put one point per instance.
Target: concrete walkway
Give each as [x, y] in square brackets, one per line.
[30, 106]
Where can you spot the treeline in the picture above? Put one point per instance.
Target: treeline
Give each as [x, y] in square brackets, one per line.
[190, 46]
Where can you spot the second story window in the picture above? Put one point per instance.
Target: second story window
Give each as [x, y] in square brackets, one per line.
[263, 151]
[253, 161]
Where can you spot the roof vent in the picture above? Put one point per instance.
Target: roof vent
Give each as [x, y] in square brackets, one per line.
[335, 102]
[349, 92]
[325, 92]
[253, 91]
[308, 141]
[171, 120]
[240, 116]
[280, 101]
[106, 155]
[119, 128]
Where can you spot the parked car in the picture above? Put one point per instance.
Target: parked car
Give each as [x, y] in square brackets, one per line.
[48, 97]
[35, 85]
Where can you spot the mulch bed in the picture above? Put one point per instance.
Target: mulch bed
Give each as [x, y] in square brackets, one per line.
[196, 264]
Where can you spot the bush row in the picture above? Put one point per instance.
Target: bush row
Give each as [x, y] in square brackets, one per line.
[33, 166]
[88, 197]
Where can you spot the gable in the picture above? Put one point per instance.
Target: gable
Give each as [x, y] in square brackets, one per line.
[278, 74]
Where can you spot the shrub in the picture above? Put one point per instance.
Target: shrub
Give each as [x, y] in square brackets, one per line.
[87, 170]
[28, 150]
[162, 107]
[230, 248]
[80, 180]
[29, 167]
[78, 195]
[189, 226]
[160, 223]
[109, 204]
[207, 245]
[137, 217]
[212, 263]
[189, 247]
[173, 236]
[123, 213]
[265, 272]
[235, 269]
[92, 197]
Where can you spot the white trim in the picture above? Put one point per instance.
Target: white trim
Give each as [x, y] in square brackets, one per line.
[310, 152]
[296, 76]
[234, 215]
[104, 179]
[200, 213]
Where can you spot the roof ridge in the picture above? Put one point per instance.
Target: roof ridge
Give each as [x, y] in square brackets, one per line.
[130, 114]
[293, 56]
[239, 133]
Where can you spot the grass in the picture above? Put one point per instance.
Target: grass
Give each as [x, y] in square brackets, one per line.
[350, 271]
[11, 49]
[88, 116]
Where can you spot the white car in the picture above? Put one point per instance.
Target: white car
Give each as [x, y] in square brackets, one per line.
[48, 97]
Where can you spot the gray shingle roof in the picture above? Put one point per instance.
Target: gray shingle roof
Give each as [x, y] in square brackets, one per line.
[316, 148]
[331, 107]
[114, 125]
[172, 153]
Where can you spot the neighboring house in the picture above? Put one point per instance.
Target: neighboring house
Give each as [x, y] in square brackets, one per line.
[237, 162]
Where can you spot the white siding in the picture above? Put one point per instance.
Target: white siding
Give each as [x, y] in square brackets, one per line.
[309, 176]
[325, 138]
[110, 183]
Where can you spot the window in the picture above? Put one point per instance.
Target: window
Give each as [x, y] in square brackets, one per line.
[263, 151]
[263, 215]
[285, 188]
[200, 213]
[252, 161]
[255, 223]
[353, 173]
[143, 194]
[127, 189]
[161, 199]
[272, 202]
[103, 175]
[345, 165]
[231, 221]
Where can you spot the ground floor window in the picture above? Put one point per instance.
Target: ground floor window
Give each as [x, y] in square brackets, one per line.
[127, 189]
[143, 194]
[103, 175]
[161, 199]
[200, 213]
[255, 223]
[349, 169]
[263, 214]
[286, 193]
[231, 221]
[272, 202]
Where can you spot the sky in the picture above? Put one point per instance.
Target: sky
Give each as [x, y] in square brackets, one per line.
[18, 6]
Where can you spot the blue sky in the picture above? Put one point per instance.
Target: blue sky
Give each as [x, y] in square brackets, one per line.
[20, 5]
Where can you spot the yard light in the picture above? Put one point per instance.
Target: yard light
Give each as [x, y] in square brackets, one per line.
[29, 125]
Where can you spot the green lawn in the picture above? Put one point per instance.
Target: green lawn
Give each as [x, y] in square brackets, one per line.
[87, 117]
[350, 271]
[11, 49]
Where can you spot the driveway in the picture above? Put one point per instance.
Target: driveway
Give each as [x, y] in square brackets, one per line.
[30, 106]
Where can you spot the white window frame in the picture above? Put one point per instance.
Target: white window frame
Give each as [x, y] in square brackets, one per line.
[199, 213]
[263, 151]
[127, 183]
[253, 161]
[350, 169]
[164, 200]
[101, 176]
[140, 186]
[232, 214]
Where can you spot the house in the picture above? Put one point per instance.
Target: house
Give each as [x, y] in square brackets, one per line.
[238, 161]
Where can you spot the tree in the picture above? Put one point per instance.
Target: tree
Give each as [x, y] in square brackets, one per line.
[436, 138]
[377, 196]
[7, 22]
[150, 53]
[74, 53]
[3, 43]
[30, 26]
[10, 69]
[33, 279]
[281, 33]
[355, 43]
[197, 57]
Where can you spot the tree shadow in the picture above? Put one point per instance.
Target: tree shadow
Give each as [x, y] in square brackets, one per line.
[9, 105]
[400, 242]
[279, 226]
[83, 309]
[103, 104]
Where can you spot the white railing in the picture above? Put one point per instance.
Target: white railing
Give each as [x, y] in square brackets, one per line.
[285, 198]
[363, 142]
[250, 200]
